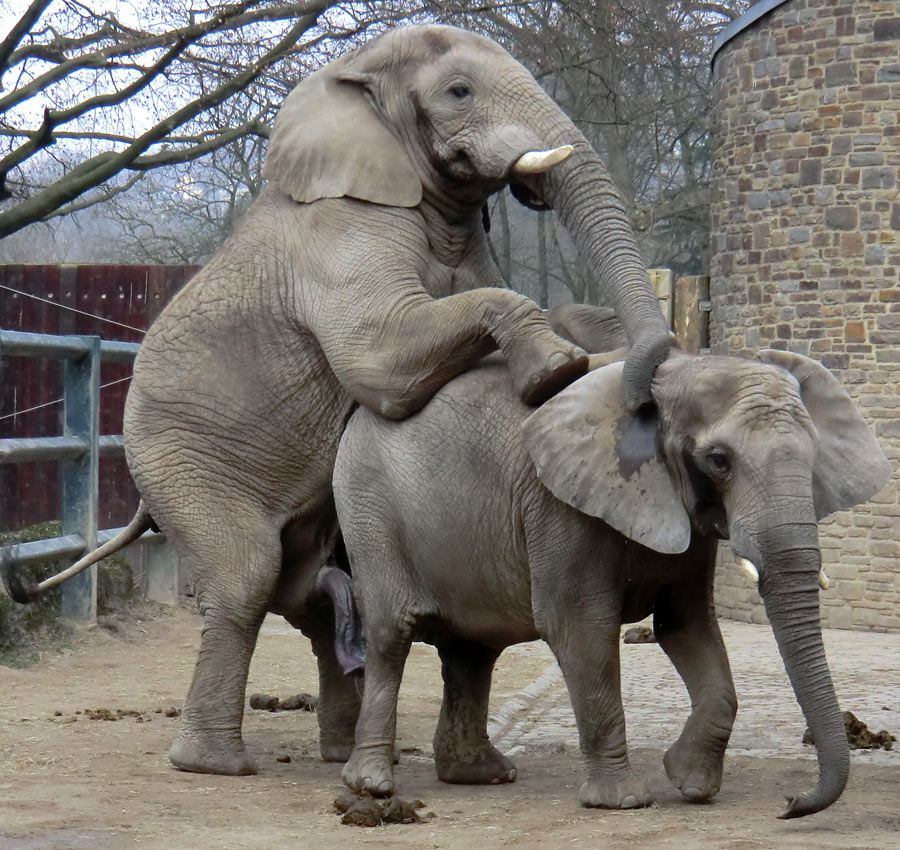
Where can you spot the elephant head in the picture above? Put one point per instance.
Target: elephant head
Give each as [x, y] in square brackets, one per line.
[439, 118]
[755, 451]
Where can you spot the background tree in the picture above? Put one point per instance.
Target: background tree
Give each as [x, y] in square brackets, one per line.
[142, 139]
[634, 76]
[110, 98]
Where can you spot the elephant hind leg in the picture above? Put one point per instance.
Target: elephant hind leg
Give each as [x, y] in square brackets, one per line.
[235, 570]
[463, 753]
[370, 767]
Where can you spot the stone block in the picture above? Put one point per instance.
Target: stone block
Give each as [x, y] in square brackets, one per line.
[887, 29]
[840, 74]
[855, 332]
[841, 217]
[810, 172]
[866, 158]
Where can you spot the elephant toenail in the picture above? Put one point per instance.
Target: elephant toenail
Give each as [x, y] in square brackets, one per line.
[630, 802]
[557, 361]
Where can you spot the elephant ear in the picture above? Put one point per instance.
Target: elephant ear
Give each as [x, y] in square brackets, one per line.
[850, 466]
[328, 142]
[605, 462]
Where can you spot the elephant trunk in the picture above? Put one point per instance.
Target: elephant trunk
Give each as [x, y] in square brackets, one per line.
[789, 588]
[590, 208]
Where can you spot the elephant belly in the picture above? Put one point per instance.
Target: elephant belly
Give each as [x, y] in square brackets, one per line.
[487, 615]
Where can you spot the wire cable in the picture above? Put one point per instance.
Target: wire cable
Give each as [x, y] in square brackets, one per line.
[73, 309]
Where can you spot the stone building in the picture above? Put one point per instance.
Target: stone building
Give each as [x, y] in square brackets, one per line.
[806, 247]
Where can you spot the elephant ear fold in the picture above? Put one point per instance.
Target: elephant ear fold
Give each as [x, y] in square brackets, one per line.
[328, 142]
[850, 466]
[595, 456]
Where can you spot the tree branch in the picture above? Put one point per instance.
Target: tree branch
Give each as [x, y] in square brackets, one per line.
[17, 33]
[100, 168]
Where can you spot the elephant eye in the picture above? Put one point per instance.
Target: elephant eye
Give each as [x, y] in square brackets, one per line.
[718, 461]
[460, 91]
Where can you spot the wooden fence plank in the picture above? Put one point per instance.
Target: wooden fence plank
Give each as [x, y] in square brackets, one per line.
[130, 295]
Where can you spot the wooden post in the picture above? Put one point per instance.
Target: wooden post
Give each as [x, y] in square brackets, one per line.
[79, 492]
[662, 283]
[690, 320]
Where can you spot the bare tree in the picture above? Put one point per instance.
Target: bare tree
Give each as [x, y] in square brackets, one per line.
[634, 76]
[111, 99]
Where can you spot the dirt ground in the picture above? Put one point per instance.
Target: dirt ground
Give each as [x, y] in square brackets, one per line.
[69, 781]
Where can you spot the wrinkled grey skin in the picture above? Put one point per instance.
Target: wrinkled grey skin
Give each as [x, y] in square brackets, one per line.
[352, 279]
[454, 538]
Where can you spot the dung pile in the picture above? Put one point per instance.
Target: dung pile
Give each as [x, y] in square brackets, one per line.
[363, 810]
[298, 702]
[859, 736]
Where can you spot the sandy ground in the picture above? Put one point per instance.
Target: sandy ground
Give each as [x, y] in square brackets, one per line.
[68, 781]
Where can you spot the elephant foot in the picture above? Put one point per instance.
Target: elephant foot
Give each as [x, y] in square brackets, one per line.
[335, 751]
[370, 769]
[627, 793]
[211, 756]
[542, 367]
[696, 774]
[482, 765]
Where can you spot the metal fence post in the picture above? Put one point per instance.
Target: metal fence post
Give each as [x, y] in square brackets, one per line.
[79, 496]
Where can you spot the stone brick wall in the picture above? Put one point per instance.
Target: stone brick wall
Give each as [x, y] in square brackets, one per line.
[806, 250]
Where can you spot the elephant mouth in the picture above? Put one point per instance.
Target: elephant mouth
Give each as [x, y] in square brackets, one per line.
[527, 197]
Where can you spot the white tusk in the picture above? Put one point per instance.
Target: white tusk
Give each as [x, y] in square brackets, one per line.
[824, 583]
[750, 569]
[537, 162]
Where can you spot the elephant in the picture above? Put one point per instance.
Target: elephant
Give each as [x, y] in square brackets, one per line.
[480, 523]
[360, 276]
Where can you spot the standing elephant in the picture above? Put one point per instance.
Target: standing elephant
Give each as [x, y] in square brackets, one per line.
[479, 524]
[361, 275]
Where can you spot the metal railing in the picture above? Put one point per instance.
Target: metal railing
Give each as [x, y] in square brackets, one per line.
[78, 452]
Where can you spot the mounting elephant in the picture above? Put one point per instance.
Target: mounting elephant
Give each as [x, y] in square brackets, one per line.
[480, 523]
[361, 275]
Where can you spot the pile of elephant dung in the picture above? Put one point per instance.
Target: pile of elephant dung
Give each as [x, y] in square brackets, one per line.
[117, 714]
[298, 702]
[639, 634]
[109, 714]
[364, 810]
[859, 736]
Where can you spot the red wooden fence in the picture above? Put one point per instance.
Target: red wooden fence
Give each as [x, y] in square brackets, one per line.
[120, 302]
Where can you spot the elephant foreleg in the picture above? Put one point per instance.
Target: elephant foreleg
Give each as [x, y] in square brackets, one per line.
[463, 753]
[395, 360]
[687, 631]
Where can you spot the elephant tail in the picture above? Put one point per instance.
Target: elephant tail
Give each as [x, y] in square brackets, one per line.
[25, 592]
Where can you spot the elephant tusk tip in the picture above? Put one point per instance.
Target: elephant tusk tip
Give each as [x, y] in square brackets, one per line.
[537, 162]
[824, 581]
[750, 568]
